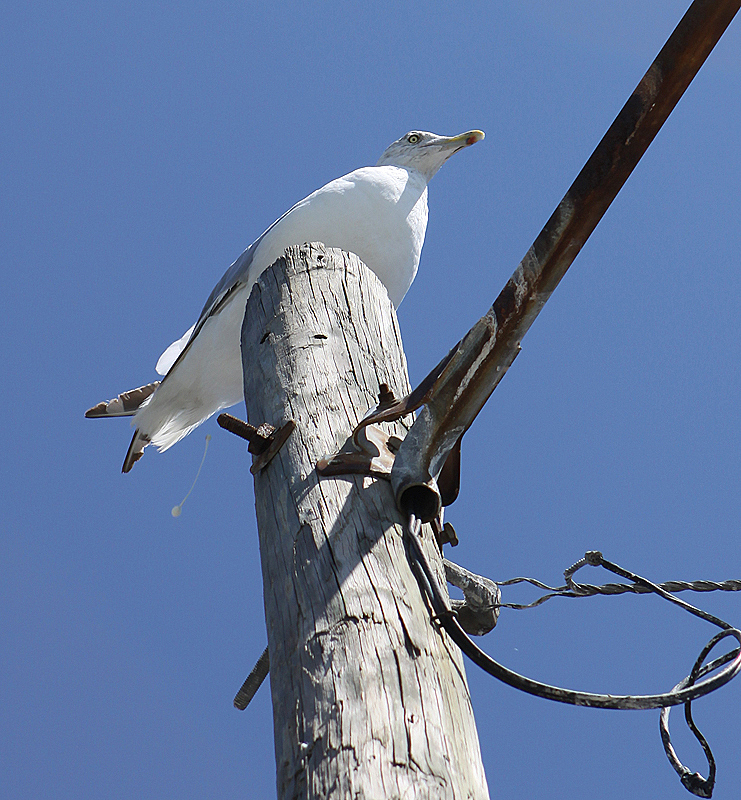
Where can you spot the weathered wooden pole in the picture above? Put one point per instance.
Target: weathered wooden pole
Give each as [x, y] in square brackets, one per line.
[370, 698]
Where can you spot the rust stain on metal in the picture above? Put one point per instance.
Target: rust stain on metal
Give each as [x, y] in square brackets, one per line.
[456, 390]
[264, 441]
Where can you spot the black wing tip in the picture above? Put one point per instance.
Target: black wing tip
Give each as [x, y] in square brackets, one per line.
[96, 412]
[125, 405]
[136, 450]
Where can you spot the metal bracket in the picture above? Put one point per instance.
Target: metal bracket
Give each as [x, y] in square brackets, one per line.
[478, 613]
[376, 456]
[376, 450]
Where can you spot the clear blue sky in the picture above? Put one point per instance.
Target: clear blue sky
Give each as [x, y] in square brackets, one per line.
[143, 146]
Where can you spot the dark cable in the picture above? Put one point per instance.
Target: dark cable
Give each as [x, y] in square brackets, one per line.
[683, 693]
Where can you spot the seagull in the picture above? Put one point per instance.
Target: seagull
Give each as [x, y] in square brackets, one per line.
[379, 213]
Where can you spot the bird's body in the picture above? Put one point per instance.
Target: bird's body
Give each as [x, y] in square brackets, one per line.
[379, 213]
[210, 378]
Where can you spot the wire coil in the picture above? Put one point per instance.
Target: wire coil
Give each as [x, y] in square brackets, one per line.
[684, 692]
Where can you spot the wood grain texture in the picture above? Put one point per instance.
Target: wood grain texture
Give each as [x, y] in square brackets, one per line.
[370, 699]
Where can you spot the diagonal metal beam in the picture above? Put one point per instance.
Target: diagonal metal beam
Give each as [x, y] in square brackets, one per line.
[457, 389]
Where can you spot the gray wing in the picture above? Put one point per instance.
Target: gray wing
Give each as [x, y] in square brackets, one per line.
[234, 277]
[232, 280]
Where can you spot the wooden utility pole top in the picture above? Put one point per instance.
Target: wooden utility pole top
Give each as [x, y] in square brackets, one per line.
[370, 698]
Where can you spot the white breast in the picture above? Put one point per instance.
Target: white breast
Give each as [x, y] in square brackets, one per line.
[378, 213]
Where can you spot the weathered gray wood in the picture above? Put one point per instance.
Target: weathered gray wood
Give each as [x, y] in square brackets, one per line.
[370, 699]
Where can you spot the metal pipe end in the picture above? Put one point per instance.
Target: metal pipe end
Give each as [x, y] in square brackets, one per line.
[421, 499]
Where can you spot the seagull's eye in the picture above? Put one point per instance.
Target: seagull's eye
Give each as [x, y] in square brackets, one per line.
[413, 138]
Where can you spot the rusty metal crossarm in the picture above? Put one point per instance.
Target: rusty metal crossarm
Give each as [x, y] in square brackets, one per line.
[463, 382]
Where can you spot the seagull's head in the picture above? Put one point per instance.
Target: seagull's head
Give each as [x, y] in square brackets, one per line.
[426, 152]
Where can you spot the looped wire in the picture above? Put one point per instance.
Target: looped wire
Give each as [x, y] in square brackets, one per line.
[684, 692]
[693, 781]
